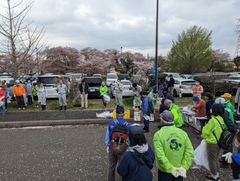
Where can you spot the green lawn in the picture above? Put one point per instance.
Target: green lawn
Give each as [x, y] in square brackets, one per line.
[52, 104]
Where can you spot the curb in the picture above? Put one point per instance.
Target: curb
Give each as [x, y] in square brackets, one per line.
[19, 124]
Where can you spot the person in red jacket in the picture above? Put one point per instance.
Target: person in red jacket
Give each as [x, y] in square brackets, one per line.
[2, 101]
[18, 92]
[199, 106]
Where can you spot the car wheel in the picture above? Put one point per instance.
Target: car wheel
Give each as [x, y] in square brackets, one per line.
[174, 93]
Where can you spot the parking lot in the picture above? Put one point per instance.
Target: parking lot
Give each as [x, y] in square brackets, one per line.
[67, 153]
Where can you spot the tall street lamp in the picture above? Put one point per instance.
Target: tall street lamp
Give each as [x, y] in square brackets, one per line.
[121, 52]
[156, 51]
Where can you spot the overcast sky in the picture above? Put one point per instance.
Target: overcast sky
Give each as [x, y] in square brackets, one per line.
[131, 24]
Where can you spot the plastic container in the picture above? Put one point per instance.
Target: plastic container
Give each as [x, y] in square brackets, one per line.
[126, 114]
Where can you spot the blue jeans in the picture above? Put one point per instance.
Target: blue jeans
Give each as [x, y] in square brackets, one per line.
[163, 176]
[146, 122]
[3, 109]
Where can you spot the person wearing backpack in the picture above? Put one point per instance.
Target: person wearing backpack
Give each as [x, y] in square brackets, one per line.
[234, 159]
[145, 110]
[231, 125]
[178, 120]
[211, 132]
[137, 162]
[114, 154]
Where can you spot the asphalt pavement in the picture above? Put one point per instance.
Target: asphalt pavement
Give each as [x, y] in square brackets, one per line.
[67, 153]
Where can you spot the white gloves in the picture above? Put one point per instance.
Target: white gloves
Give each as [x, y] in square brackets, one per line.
[107, 149]
[175, 172]
[179, 172]
[183, 172]
[228, 157]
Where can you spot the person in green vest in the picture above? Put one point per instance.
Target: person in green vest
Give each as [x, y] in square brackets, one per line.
[103, 92]
[228, 97]
[178, 120]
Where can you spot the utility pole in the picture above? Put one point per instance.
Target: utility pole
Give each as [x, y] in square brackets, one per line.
[156, 51]
[238, 38]
[121, 52]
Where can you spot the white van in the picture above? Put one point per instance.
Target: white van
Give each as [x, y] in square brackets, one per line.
[111, 78]
[51, 82]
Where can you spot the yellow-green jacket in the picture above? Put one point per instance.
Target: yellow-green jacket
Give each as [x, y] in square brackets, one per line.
[213, 126]
[178, 120]
[172, 148]
[103, 90]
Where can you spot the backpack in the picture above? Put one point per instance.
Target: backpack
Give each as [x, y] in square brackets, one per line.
[118, 144]
[225, 139]
[150, 107]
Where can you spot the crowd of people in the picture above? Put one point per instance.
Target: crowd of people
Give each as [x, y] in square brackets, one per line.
[172, 149]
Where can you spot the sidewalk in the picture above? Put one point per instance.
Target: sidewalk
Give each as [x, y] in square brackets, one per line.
[54, 118]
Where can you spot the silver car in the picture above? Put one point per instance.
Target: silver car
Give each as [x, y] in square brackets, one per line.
[127, 92]
[183, 86]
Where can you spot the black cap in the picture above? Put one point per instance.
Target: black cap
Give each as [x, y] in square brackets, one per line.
[136, 129]
[120, 110]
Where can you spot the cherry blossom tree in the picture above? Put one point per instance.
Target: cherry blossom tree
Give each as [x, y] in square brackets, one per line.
[60, 60]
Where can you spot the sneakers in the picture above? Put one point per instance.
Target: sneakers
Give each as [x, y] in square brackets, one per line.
[209, 177]
[23, 108]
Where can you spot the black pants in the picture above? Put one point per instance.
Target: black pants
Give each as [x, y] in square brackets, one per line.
[163, 176]
[29, 97]
[104, 103]
[6, 104]
[20, 101]
[230, 149]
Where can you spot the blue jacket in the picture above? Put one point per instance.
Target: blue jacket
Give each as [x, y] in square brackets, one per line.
[111, 124]
[145, 105]
[133, 168]
[6, 90]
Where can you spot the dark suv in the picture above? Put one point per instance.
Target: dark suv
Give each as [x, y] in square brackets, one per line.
[94, 84]
[124, 77]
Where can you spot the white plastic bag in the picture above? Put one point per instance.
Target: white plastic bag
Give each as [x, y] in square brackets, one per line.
[106, 98]
[105, 114]
[200, 156]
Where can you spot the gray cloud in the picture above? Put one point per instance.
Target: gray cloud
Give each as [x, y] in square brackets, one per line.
[131, 23]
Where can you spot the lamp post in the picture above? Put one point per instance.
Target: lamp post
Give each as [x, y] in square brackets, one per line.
[121, 52]
[156, 50]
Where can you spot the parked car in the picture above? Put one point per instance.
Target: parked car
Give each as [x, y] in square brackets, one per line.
[51, 81]
[111, 78]
[237, 104]
[97, 75]
[183, 86]
[185, 76]
[167, 75]
[94, 84]
[127, 92]
[124, 77]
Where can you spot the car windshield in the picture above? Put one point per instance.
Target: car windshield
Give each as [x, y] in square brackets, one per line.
[188, 82]
[126, 83]
[93, 81]
[48, 80]
[112, 76]
[176, 76]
